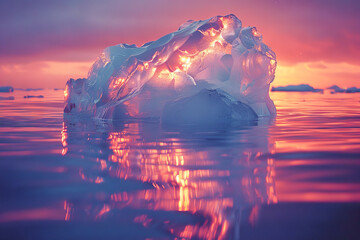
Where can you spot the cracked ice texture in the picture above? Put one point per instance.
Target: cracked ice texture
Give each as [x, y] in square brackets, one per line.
[217, 53]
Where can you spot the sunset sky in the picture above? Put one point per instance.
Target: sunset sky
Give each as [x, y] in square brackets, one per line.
[43, 43]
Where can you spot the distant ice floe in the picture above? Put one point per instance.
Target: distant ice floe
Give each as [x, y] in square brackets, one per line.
[352, 90]
[296, 88]
[7, 98]
[205, 69]
[29, 89]
[6, 89]
[337, 89]
[32, 96]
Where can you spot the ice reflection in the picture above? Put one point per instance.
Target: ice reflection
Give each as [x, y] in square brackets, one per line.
[207, 184]
[208, 178]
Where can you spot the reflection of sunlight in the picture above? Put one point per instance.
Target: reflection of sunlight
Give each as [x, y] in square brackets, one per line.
[64, 136]
[193, 190]
[183, 179]
[104, 210]
[270, 190]
[67, 209]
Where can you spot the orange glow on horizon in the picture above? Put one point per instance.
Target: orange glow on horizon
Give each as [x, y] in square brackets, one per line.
[342, 74]
[180, 178]
[283, 29]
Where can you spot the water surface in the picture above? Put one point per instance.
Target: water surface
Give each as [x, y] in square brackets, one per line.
[293, 177]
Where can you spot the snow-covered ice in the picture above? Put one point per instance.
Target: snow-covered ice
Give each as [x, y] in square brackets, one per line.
[212, 67]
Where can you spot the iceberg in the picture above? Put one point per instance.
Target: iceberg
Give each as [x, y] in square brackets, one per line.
[34, 96]
[205, 69]
[352, 90]
[6, 89]
[337, 89]
[296, 88]
[7, 98]
[29, 89]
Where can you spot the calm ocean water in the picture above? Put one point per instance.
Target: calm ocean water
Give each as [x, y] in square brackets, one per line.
[294, 177]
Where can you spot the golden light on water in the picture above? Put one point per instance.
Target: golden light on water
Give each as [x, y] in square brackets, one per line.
[192, 184]
[178, 176]
[181, 181]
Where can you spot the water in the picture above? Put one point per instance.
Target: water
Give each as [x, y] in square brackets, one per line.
[294, 177]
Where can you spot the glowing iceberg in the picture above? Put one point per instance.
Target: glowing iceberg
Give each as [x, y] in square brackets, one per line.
[216, 56]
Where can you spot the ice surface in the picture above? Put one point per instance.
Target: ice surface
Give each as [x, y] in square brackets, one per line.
[29, 89]
[7, 98]
[352, 90]
[6, 89]
[214, 54]
[206, 108]
[296, 88]
[32, 96]
[337, 89]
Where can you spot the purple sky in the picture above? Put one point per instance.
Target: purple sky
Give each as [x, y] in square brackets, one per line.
[36, 35]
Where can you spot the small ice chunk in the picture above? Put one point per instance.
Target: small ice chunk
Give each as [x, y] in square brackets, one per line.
[32, 96]
[250, 37]
[7, 98]
[336, 89]
[75, 87]
[352, 90]
[6, 89]
[29, 89]
[296, 88]
[231, 30]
